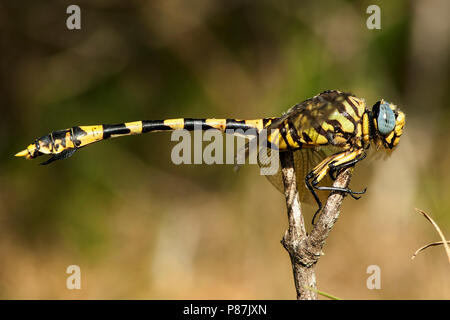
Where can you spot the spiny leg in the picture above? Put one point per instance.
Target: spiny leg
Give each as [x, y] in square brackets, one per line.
[349, 159]
[346, 190]
[335, 170]
[317, 174]
[335, 162]
[313, 192]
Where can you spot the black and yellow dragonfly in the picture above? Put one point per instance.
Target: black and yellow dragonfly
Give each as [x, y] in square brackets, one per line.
[327, 133]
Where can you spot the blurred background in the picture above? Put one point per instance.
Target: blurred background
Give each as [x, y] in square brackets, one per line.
[141, 227]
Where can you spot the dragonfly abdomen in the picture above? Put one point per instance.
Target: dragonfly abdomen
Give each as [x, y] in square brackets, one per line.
[63, 143]
[191, 124]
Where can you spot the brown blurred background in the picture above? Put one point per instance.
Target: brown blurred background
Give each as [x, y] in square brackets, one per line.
[141, 227]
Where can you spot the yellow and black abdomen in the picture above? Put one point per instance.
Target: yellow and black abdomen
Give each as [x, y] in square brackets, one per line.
[63, 143]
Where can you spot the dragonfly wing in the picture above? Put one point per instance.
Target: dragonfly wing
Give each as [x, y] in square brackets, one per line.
[311, 113]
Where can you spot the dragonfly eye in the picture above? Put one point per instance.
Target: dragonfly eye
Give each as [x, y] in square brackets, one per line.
[385, 118]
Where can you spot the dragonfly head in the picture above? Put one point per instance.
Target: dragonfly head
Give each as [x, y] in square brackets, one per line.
[388, 122]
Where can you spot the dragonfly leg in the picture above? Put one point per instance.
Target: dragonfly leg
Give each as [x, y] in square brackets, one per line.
[332, 165]
[316, 175]
[346, 190]
[341, 164]
[313, 185]
[338, 168]
[332, 173]
[335, 170]
[316, 197]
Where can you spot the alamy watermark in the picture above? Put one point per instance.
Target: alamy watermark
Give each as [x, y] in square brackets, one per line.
[255, 148]
[73, 21]
[374, 20]
[74, 280]
[374, 280]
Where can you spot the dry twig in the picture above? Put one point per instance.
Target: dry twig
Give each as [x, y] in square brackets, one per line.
[305, 250]
[444, 241]
[427, 246]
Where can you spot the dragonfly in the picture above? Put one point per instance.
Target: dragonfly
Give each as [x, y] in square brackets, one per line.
[327, 133]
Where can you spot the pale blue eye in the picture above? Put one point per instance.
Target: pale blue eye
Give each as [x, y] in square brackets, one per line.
[386, 119]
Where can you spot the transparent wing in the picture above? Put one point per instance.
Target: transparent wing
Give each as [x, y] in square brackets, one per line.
[311, 113]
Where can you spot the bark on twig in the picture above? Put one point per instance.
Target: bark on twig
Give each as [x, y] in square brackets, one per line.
[305, 250]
